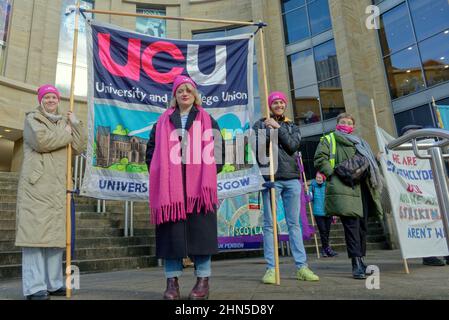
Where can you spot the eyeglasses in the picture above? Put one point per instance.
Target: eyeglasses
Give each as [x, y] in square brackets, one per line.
[347, 122]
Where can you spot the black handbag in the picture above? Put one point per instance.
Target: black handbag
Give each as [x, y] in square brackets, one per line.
[353, 171]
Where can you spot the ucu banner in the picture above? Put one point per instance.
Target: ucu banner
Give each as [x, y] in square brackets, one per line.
[136, 68]
[130, 85]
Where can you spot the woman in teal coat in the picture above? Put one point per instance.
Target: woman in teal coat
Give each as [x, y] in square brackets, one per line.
[353, 204]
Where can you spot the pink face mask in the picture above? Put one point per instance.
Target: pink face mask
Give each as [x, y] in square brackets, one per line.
[344, 128]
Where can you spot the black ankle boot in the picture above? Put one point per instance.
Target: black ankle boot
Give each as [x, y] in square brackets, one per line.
[358, 271]
[365, 266]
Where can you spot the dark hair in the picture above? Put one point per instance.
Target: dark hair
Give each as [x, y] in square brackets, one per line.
[345, 115]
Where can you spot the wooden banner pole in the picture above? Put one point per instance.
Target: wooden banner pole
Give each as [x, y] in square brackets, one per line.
[129, 14]
[437, 112]
[68, 269]
[373, 109]
[306, 187]
[272, 190]
[407, 271]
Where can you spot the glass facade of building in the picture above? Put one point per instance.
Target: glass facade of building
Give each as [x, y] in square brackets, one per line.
[65, 50]
[315, 86]
[5, 16]
[313, 69]
[149, 26]
[414, 39]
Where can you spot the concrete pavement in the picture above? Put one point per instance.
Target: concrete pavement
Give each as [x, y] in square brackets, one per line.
[239, 279]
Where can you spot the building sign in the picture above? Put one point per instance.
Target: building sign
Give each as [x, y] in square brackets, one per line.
[150, 26]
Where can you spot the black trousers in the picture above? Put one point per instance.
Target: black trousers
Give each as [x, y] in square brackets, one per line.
[356, 229]
[324, 226]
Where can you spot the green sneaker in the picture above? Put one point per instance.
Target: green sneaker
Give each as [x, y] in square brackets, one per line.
[269, 277]
[306, 274]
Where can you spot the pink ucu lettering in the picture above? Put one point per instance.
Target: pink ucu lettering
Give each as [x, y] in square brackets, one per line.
[131, 69]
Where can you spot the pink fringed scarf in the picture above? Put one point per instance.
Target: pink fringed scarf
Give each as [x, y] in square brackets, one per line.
[166, 185]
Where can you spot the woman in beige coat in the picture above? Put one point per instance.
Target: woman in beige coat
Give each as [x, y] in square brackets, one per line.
[41, 199]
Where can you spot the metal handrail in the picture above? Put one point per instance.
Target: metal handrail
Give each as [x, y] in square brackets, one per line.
[420, 134]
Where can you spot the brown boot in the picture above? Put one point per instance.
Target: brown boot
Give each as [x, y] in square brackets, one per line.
[172, 291]
[201, 289]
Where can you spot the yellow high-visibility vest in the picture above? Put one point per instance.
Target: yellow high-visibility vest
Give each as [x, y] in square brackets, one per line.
[332, 147]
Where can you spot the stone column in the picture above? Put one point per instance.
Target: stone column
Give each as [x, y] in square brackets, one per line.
[361, 68]
[277, 70]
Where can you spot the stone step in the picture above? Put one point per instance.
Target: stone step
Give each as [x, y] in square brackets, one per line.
[6, 235]
[9, 174]
[8, 198]
[341, 247]
[120, 209]
[7, 245]
[9, 185]
[98, 232]
[80, 233]
[8, 206]
[341, 232]
[114, 252]
[8, 191]
[125, 263]
[84, 229]
[7, 214]
[11, 205]
[85, 214]
[110, 232]
[94, 265]
[103, 242]
[137, 224]
[10, 224]
[95, 223]
[144, 232]
[339, 226]
[114, 242]
[100, 227]
[341, 239]
[9, 178]
[85, 200]
[15, 257]
[7, 224]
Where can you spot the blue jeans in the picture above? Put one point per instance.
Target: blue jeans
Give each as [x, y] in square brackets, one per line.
[290, 191]
[173, 267]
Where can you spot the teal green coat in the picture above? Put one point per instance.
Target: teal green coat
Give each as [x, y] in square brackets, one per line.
[341, 199]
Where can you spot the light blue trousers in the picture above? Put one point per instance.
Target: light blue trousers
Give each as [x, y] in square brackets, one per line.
[41, 269]
[290, 192]
[173, 267]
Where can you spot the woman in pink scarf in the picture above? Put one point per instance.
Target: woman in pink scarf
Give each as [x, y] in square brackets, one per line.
[184, 154]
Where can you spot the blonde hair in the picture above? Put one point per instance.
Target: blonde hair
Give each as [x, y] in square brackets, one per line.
[194, 91]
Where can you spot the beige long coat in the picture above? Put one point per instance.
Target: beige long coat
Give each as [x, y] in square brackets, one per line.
[41, 198]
